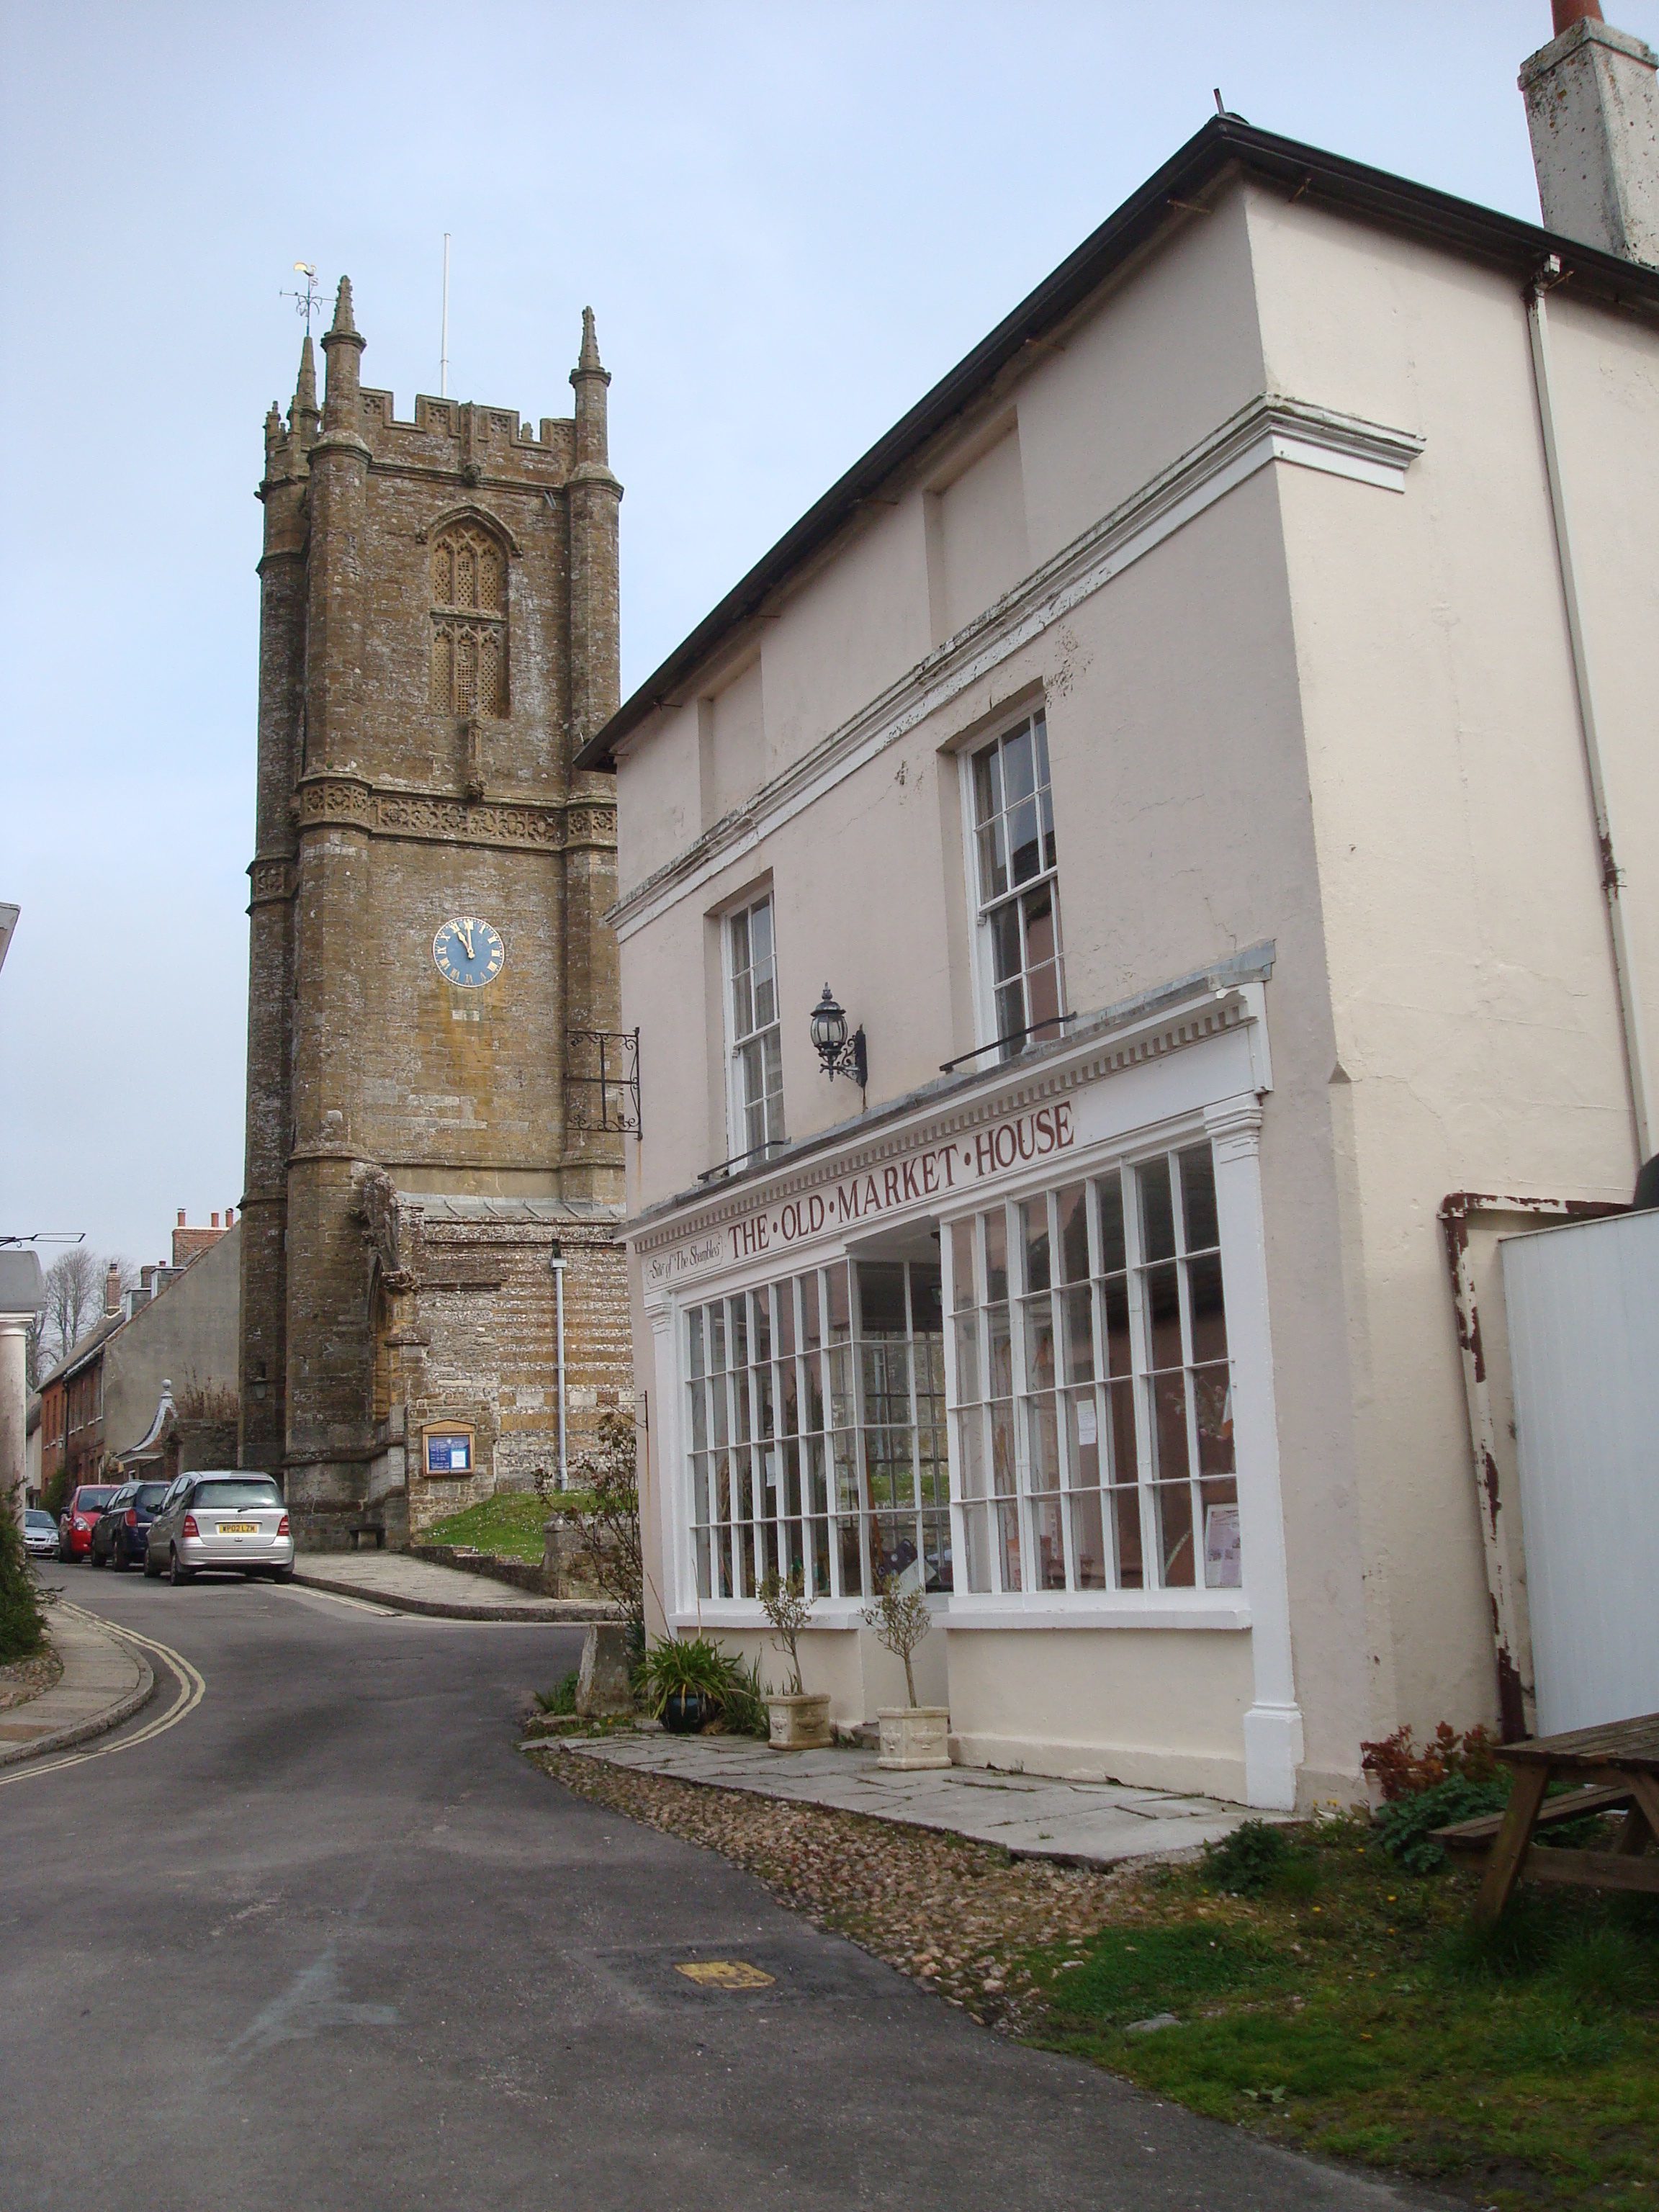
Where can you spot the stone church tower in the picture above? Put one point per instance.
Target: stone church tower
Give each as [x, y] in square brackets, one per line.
[433, 1177]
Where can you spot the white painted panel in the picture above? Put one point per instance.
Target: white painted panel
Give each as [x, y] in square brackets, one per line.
[1584, 1321]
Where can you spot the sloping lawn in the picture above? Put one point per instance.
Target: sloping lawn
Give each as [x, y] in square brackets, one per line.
[1350, 2010]
[508, 1527]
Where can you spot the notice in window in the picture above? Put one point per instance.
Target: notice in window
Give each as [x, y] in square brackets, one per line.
[1087, 1428]
[449, 1455]
[1221, 1548]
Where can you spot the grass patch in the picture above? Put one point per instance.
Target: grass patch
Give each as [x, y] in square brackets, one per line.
[1353, 2011]
[508, 1527]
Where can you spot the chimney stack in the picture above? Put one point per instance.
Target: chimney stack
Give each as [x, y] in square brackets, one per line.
[112, 1288]
[1592, 111]
[181, 1217]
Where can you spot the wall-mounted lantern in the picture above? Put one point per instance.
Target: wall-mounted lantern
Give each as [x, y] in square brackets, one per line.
[839, 1053]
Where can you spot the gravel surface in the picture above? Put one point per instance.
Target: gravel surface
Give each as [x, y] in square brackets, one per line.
[27, 1678]
[953, 1914]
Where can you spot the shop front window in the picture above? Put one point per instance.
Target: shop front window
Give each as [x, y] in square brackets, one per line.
[815, 1432]
[1091, 1404]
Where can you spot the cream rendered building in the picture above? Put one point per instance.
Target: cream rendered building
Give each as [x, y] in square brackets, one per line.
[1208, 747]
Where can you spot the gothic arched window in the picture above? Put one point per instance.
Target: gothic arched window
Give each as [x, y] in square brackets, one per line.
[469, 622]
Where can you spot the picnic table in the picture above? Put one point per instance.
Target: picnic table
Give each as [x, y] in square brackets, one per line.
[1613, 1768]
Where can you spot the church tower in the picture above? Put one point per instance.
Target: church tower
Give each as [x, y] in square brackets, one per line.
[433, 1307]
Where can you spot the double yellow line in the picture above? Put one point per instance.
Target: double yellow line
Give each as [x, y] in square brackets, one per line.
[191, 1689]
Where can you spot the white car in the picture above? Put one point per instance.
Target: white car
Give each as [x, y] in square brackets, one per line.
[39, 1535]
[220, 1519]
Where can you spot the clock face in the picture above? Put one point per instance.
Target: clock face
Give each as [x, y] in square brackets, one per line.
[468, 952]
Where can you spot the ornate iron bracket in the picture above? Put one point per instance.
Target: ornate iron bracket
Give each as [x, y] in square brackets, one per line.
[606, 1062]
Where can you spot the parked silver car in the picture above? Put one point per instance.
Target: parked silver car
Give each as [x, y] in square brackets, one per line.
[39, 1535]
[220, 1519]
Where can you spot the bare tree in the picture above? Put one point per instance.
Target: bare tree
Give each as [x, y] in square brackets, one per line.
[75, 1300]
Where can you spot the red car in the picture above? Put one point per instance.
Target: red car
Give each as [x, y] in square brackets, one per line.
[76, 1525]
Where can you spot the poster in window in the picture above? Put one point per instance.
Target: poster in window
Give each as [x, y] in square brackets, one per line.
[448, 1454]
[1221, 1548]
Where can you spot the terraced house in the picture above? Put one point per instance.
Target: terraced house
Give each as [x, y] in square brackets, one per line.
[1102, 901]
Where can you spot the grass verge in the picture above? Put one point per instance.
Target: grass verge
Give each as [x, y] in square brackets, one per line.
[1346, 2010]
[508, 1527]
[1353, 2011]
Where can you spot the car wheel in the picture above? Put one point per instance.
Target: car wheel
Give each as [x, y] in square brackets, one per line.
[152, 1569]
[116, 1562]
[176, 1575]
[282, 1574]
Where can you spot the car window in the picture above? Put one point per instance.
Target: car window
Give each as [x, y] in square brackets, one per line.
[124, 1495]
[150, 1494]
[39, 1520]
[225, 1491]
[91, 1501]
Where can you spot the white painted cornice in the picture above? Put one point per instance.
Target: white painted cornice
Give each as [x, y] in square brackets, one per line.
[1268, 429]
[1106, 1047]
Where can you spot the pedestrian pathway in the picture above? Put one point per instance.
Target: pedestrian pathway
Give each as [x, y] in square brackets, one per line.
[1083, 1823]
[103, 1682]
[411, 1585]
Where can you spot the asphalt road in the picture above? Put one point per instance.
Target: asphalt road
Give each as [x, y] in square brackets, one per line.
[329, 1945]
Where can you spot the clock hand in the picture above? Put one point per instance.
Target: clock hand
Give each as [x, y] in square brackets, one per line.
[464, 931]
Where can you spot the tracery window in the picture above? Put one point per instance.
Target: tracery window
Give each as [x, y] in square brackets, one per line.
[469, 622]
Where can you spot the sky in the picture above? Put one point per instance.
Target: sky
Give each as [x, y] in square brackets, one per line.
[790, 216]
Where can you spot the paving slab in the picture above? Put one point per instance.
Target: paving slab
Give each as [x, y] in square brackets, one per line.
[1031, 1816]
[103, 1682]
[411, 1585]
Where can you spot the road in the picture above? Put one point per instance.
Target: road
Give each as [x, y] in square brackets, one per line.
[328, 1944]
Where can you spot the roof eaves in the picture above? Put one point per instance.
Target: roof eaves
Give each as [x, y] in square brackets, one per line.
[1376, 195]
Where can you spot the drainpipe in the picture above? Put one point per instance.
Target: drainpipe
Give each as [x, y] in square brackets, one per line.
[557, 1260]
[1547, 278]
[1501, 1548]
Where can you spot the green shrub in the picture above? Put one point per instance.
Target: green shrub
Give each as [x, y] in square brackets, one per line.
[561, 1698]
[676, 1666]
[1245, 1863]
[22, 1625]
[744, 1710]
[1405, 1826]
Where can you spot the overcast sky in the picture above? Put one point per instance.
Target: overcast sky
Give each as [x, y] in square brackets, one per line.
[790, 219]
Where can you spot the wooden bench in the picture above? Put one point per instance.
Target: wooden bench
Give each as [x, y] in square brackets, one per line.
[1616, 1767]
[358, 1529]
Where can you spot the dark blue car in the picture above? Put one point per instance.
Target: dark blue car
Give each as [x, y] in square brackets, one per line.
[122, 1536]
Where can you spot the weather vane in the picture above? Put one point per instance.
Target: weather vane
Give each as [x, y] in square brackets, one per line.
[310, 302]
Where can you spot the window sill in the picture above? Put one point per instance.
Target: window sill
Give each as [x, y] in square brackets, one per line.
[1172, 1609]
[1114, 1609]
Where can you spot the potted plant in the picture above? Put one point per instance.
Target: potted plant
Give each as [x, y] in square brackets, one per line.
[682, 1682]
[798, 1721]
[912, 1735]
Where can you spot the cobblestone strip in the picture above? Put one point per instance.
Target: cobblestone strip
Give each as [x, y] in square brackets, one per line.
[952, 1914]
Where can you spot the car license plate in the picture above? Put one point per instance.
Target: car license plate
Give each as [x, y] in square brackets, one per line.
[239, 1527]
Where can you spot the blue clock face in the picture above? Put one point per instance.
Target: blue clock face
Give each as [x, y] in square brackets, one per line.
[468, 952]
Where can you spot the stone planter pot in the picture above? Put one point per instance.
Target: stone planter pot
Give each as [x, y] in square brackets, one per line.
[914, 1736]
[799, 1723]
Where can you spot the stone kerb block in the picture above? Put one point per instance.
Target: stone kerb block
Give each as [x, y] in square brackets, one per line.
[603, 1690]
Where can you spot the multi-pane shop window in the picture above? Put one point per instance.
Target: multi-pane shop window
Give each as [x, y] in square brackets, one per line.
[815, 1432]
[1018, 894]
[756, 1041]
[1091, 1397]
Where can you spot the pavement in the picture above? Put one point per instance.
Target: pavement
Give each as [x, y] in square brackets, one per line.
[105, 1681]
[1082, 1823]
[322, 1940]
[411, 1585]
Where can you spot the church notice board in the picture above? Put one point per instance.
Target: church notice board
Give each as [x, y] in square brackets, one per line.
[447, 1449]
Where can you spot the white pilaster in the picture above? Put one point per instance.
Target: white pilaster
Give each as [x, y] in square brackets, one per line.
[14, 1408]
[1272, 1726]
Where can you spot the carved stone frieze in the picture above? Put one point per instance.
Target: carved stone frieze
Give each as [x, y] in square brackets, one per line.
[428, 815]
